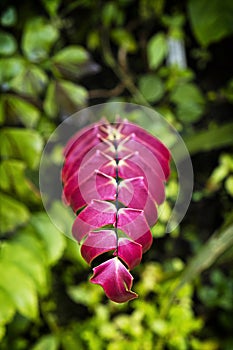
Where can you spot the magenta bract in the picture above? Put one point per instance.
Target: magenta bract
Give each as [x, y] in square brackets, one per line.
[113, 178]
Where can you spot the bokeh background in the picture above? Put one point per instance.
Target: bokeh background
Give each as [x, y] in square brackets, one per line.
[58, 57]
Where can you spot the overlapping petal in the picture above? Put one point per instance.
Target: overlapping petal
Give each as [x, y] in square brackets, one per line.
[97, 243]
[96, 215]
[134, 224]
[129, 251]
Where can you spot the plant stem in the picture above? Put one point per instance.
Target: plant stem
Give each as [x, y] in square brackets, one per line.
[121, 71]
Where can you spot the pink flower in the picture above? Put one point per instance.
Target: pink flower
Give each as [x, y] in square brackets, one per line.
[113, 178]
[116, 280]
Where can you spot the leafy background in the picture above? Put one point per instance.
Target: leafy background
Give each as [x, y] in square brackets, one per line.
[56, 58]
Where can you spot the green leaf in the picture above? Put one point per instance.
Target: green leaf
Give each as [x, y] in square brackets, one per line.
[93, 40]
[8, 44]
[157, 50]
[38, 38]
[28, 238]
[53, 239]
[20, 289]
[13, 180]
[72, 253]
[85, 294]
[7, 308]
[213, 138]
[22, 256]
[51, 6]
[71, 62]
[22, 144]
[2, 332]
[47, 342]
[10, 68]
[9, 17]
[2, 114]
[31, 81]
[151, 87]
[45, 127]
[71, 55]
[109, 12]
[124, 39]
[112, 13]
[64, 218]
[18, 108]
[50, 104]
[13, 213]
[211, 20]
[75, 93]
[189, 101]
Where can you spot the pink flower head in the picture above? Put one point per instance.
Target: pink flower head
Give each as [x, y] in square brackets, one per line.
[113, 178]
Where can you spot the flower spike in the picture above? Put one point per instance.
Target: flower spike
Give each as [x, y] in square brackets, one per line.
[113, 178]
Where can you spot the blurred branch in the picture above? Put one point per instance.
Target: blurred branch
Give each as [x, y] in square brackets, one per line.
[217, 244]
[116, 91]
[120, 69]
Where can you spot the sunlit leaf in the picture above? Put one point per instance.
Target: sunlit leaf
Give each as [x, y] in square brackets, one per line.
[53, 239]
[50, 104]
[20, 288]
[47, 342]
[18, 109]
[38, 38]
[15, 252]
[85, 294]
[76, 93]
[22, 144]
[71, 55]
[13, 180]
[111, 14]
[10, 68]
[31, 81]
[156, 50]
[7, 307]
[13, 213]
[124, 39]
[28, 238]
[73, 62]
[93, 40]
[2, 114]
[51, 6]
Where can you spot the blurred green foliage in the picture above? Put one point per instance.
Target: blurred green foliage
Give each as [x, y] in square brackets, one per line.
[60, 56]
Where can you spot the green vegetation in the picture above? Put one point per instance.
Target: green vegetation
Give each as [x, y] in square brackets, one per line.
[56, 58]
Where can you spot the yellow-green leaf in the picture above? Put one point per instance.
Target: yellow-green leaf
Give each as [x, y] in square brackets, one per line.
[20, 289]
[156, 50]
[7, 307]
[22, 144]
[52, 238]
[13, 214]
[38, 38]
